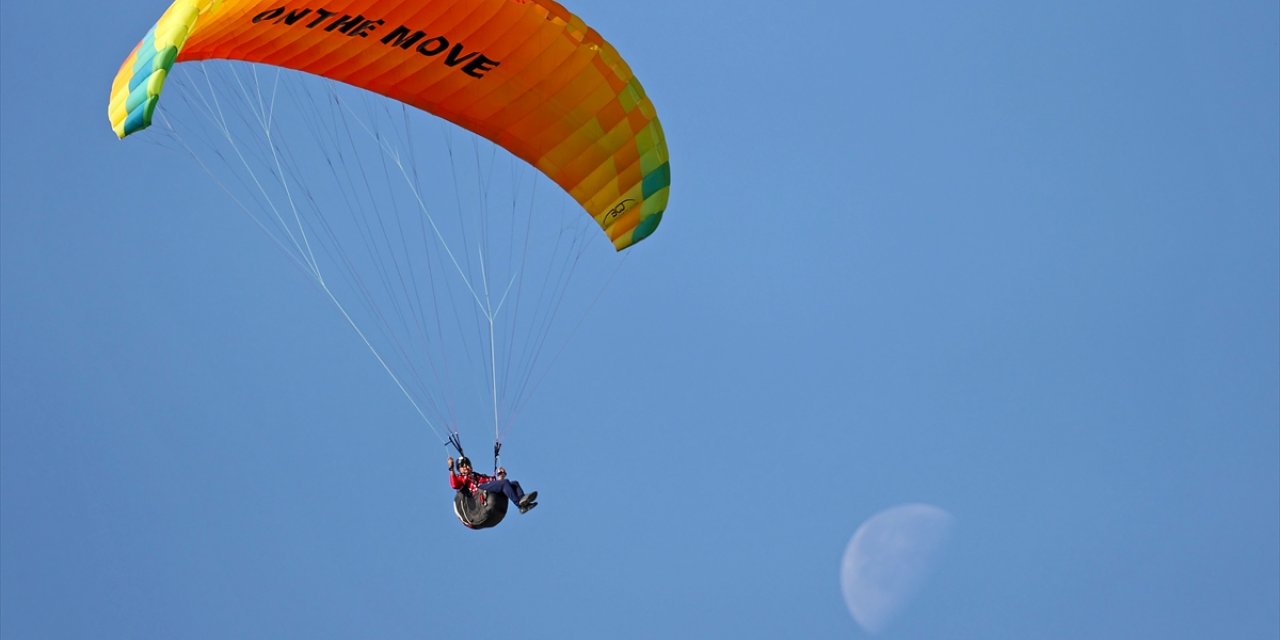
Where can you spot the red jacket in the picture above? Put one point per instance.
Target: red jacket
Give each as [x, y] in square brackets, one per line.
[471, 481]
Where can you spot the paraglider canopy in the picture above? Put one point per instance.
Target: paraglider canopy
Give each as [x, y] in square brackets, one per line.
[530, 76]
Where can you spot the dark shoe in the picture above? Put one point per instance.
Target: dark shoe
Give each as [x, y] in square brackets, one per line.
[528, 498]
[527, 507]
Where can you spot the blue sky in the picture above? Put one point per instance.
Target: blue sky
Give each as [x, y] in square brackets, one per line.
[1020, 261]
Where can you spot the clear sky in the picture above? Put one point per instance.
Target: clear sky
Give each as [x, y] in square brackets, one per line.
[1017, 260]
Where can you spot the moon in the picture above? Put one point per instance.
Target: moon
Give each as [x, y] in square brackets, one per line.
[889, 559]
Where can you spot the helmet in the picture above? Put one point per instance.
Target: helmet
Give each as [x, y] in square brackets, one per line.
[463, 460]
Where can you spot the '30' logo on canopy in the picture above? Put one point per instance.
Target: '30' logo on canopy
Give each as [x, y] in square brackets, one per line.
[619, 209]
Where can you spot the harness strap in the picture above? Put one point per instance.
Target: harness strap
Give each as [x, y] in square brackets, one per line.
[456, 441]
